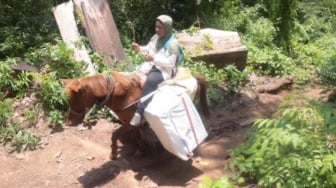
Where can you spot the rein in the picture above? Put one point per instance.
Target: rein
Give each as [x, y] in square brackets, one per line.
[100, 103]
[142, 99]
[146, 97]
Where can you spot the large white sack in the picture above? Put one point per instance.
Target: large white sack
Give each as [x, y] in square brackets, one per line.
[175, 121]
[184, 79]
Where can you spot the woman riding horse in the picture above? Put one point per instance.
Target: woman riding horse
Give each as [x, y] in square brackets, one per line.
[121, 92]
[161, 55]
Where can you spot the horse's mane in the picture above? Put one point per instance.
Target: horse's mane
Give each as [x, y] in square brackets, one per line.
[99, 85]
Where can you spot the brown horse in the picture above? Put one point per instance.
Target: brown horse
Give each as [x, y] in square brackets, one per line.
[117, 91]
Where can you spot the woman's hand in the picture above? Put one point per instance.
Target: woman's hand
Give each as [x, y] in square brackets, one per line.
[149, 57]
[135, 47]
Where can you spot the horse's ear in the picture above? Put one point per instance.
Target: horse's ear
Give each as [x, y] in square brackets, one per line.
[66, 81]
[72, 84]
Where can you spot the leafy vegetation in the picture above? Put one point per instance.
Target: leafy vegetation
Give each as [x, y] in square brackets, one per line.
[294, 149]
[55, 62]
[328, 71]
[25, 24]
[13, 84]
[230, 78]
[222, 182]
[11, 133]
[17, 139]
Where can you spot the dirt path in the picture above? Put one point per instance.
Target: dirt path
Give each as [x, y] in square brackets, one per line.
[79, 157]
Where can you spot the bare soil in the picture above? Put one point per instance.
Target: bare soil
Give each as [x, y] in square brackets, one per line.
[79, 156]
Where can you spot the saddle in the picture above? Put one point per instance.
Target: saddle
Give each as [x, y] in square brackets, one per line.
[182, 78]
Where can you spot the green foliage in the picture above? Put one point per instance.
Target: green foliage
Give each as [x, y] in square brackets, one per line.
[57, 58]
[31, 116]
[328, 71]
[97, 112]
[25, 24]
[292, 150]
[283, 14]
[56, 119]
[316, 52]
[304, 76]
[214, 75]
[135, 59]
[135, 19]
[5, 110]
[271, 61]
[260, 33]
[235, 79]
[51, 91]
[15, 84]
[230, 16]
[97, 60]
[55, 62]
[208, 43]
[52, 95]
[14, 137]
[229, 76]
[222, 182]
[11, 133]
[281, 34]
[317, 18]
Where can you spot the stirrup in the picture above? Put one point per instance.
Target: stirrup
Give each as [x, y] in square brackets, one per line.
[136, 120]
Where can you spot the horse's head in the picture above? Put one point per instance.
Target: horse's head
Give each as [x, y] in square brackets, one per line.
[79, 103]
[83, 93]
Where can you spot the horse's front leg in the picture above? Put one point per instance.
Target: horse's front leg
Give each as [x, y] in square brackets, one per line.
[116, 135]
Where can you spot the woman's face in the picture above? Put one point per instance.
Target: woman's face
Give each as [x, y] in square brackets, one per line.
[159, 29]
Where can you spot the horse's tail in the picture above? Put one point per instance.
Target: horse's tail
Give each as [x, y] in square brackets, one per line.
[201, 81]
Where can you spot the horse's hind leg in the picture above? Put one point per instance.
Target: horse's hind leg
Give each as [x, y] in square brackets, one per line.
[140, 143]
[117, 134]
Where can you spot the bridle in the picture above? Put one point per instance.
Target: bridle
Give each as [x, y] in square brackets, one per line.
[110, 85]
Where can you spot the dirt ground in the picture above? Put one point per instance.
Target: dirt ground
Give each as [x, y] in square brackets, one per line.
[79, 156]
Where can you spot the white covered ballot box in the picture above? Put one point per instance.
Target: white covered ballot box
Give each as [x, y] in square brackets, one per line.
[175, 121]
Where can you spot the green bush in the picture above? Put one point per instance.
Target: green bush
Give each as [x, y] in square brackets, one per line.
[11, 132]
[5, 110]
[235, 79]
[17, 139]
[327, 71]
[57, 58]
[222, 182]
[270, 61]
[55, 62]
[297, 149]
[15, 84]
[25, 24]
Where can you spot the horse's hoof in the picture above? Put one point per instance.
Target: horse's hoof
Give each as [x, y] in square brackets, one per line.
[113, 156]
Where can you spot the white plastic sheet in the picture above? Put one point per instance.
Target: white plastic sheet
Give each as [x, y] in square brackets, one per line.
[175, 121]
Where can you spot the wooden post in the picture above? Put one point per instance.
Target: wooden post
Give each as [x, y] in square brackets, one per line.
[68, 28]
[101, 30]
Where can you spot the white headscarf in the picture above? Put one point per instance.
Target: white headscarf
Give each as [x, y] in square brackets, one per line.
[167, 22]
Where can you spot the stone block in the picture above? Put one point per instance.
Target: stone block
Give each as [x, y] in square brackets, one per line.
[218, 47]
